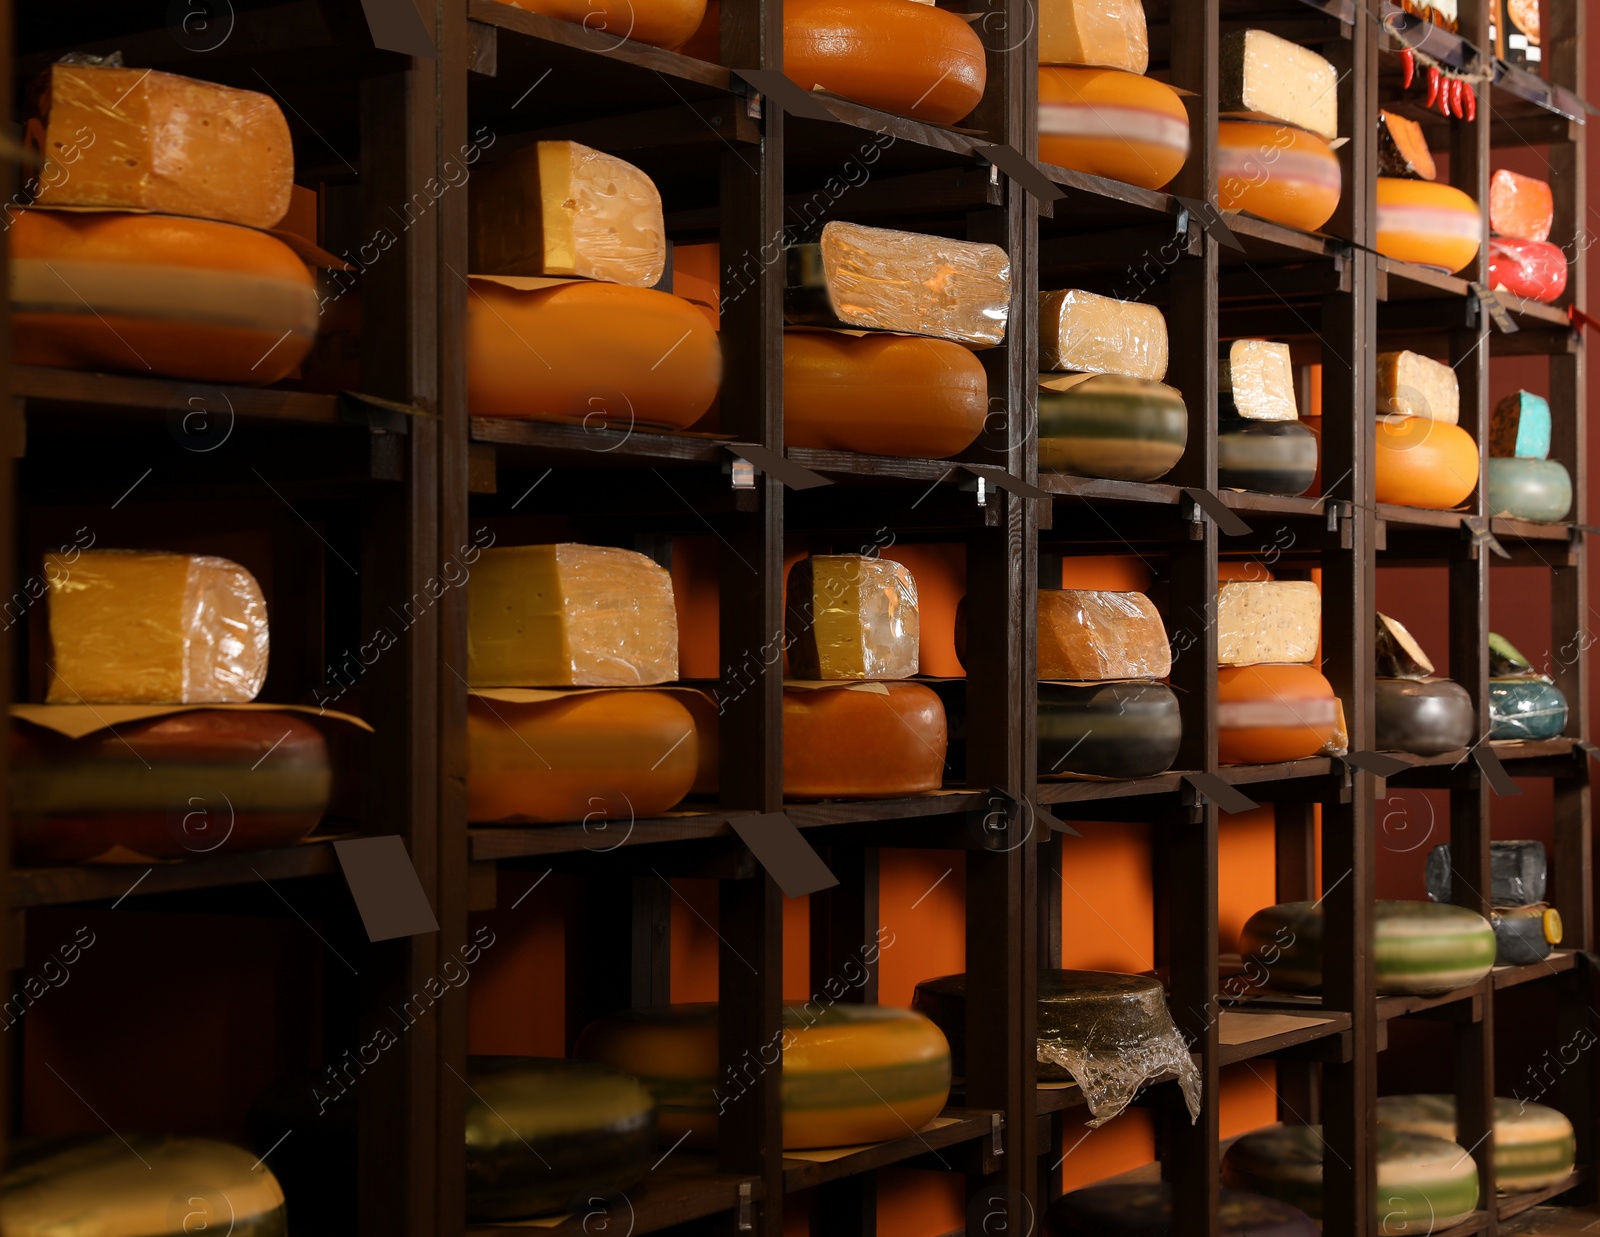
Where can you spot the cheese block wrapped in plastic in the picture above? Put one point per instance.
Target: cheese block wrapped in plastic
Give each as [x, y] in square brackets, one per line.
[1257, 378]
[1087, 635]
[1526, 708]
[1536, 490]
[1506, 660]
[1533, 1143]
[131, 627]
[1524, 934]
[852, 617]
[1403, 149]
[1521, 207]
[1267, 621]
[569, 616]
[562, 208]
[1092, 334]
[1113, 124]
[134, 139]
[1107, 1032]
[1430, 224]
[544, 1135]
[1396, 652]
[1519, 427]
[1518, 871]
[1268, 78]
[1105, 34]
[1536, 270]
[1145, 1209]
[1412, 385]
[1105, 425]
[1426, 717]
[1283, 174]
[916, 284]
[151, 1185]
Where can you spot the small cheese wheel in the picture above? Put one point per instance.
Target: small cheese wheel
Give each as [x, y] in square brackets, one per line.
[1269, 457]
[1112, 124]
[911, 59]
[1272, 713]
[1105, 425]
[1144, 1209]
[593, 354]
[660, 23]
[1520, 937]
[1111, 730]
[1534, 1144]
[1536, 270]
[601, 755]
[1537, 490]
[156, 294]
[1526, 708]
[862, 743]
[1423, 463]
[1277, 172]
[1430, 224]
[881, 394]
[1423, 716]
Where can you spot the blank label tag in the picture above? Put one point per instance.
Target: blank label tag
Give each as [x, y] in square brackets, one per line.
[1495, 772]
[1024, 171]
[1377, 762]
[1226, 796]
[397, 26]
[792, 475]
[1219, 511]
[779, 848]
[386, 887]
[786, 94]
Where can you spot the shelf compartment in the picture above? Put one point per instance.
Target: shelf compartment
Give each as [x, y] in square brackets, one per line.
[80, 883]
[957, 1126]
[58, 391]
[1509, 1205]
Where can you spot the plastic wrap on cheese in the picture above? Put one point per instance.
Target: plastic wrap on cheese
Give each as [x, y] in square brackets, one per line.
[1521, 207]
[1518, 871]
[1258, 376]
[881, 279]
[1103, 34]
[1095, 634]
[1271, 78]
[569, 615]
[1092, 334]
[1536, 270]
[134, 139]
[1412, 385]
[849, 616]
[130, 627]
[1271, 621]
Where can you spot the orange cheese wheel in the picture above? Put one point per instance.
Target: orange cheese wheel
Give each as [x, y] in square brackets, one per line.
[881, 394]
[1423, 463]
[1270, 713]
[1283, 174]
[661, 23]
[1112, 124]
[912, 59]
[597, 354]
[858, 743]
[156, 294]
[604, 755]
[1426, 223]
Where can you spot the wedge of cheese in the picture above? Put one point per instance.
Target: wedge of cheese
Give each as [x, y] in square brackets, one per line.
[1412, 385]
[1258, 378]
[1092, 334]
[134, 139]
[1402, 148]
[1089, 634]
[130, 627]
[569, 616]
[1103, 34]
[562, 208]
[1268, 621]
[1269, 78]
[851, 617]
[1397, 653]
[1520, 426]
[1521, 207]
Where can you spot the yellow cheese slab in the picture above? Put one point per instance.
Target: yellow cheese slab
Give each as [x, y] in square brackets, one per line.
[1092, 334]
[1412, 385]
[1259, 376]
[852, 617]
[1105, 34]
[1276, 621]
[1269, 78]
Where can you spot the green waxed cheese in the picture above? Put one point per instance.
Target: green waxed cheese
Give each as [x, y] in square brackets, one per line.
[1123, 429]
[1270, 457]
[1520, 427]
[1423, 716]
[1536, 490]
[1526, 708]
[1534, 1144]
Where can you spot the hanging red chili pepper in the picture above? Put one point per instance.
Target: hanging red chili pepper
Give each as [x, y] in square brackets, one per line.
[1433, 86]
[1470, 100]
[1408, 67]
[1455, 98]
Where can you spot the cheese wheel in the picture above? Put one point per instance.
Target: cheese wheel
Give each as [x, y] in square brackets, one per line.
[1520, 934]
[1536, 270]
[1112, 124]
[912, 59]
[862, 743]
[1426, 717]
[881, 394]
[1270, 457]
[1431, 224]
[1145, 1210]
[1105, 425]
[661, 23]
[1277, 172]
[1423, 463]
[206, 782]
[1269, 713]
[592, 354]
[1526, 708]
[851, 1073]
[155, 294]
[1520, 207]
[601, 755]
[1113, 730]
[1534, 1144]
[1537, 490]
[545, 1135]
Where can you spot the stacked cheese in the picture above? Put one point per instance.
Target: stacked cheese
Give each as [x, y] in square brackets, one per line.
[1526, 927]
[1272, 703]
[1413, 711]
[563, 321]
[1424, 458]
[161, 266]
[1524, 482]
[547, 625]
[1522, 260]
[1534, 1144]
[1523, 704]
[1280, 108]
[1098, 113]
[1110, 415]
[1420, 221]
[1261, 444]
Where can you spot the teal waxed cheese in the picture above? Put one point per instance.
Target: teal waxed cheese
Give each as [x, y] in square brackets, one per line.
[1423, 716]
[1534, 1144]
[1105, 425]
[1536, 490]
[1107, 730]
[1270, 457]
[1520, 426]
[1526, 708]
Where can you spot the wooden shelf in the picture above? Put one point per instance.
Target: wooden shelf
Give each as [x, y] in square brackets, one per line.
[953, 1127]
[1510, 1205]
[87, 883]
[60, 392]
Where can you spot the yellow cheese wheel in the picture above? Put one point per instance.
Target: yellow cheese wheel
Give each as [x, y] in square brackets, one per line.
[1283, 174]
[881, 394]
[912, 59]
[1270, 713]
[596, 354]
[1424, 463]
[1427, 223]
[859, 743]
[1112, 124]
[661, 23]
[156, 294]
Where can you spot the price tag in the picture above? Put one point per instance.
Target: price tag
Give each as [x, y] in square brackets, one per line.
[397, 26]
[385, 886]
[1227, 797]
[786, 94]
[770, 462]
[1024, 171]
[779, 848]
[1221, 514]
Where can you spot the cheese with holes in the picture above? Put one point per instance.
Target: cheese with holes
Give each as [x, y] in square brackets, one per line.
[562, 208]
[1087, 333]
[1519, 426]
[1533, 1144]
[1258, 379]
[1280, 173]
[1105, 34]
[1089, 634]
[1105, 425]
[1269, 78]
[1430, 224]
[1424, 463]
[569, 616]
[131, 627]
[1397, 653]
[134, 139]
[1521, 207]
[849, 616]
[863, 743]
[1268, 621]
[1412, 385]
[1272, 713]
[885, 280]
[660, 23]
[1536, 490]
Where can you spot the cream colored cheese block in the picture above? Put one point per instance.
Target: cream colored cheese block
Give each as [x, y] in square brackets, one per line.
[852, 617]
[562, 208]
[1104, 34]
[1412, 385]
[1273, 79]
[1092, 334]
[1258, 375]
[1268, 621]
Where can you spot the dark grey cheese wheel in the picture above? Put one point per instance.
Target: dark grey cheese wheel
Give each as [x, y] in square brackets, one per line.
[1520, 935]
[1270, 457]
[1423, 716]
[1108, 729]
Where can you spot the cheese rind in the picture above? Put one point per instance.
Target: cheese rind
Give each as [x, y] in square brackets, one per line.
[1268, 621]
[1113, 124]
[1397, 653]
[130, 627]
[1536, 270]
[1258, 377]
[1423, 463]
[1402, 148]
[851, 617]
[1086, 333]
[1536, 490]
[569, 615]
[1412, 385]
[1270, 78]
[1430, 224]
[660, 23]
[1272, 713]
[1526, 708]
[1269, 457]
[1534, 1144]
[1105, 34]
[562, 208]
[1278, 172]
[1426, 717]
[1105, 425]
[1521, 207]
[846, 743]
[1520, 426]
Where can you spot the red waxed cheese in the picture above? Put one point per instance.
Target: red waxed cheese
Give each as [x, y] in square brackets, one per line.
[1536, 270]
[1520, 207]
